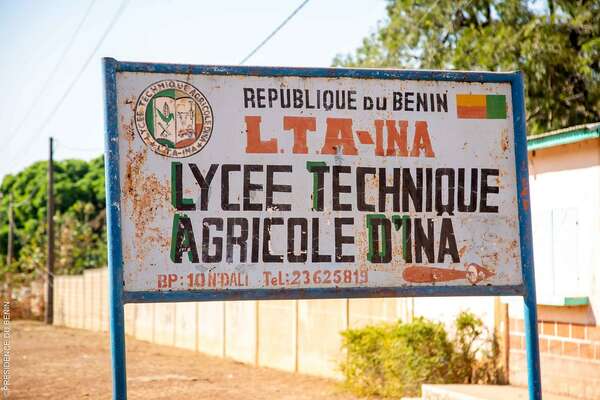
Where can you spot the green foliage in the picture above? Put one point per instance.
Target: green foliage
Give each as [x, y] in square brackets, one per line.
[392, 360]
[476, 357]
[79, 220]
[558, 49]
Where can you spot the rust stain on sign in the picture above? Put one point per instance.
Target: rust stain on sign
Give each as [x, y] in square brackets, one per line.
[146, 196]
[525, 192]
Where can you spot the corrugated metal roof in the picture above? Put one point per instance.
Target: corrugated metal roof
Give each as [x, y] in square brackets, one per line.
[568, 135]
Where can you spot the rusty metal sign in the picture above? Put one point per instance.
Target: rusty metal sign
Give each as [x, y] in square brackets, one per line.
[266, 182]
[262, 183]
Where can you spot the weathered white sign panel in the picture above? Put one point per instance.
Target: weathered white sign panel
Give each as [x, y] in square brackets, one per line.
[230, 180]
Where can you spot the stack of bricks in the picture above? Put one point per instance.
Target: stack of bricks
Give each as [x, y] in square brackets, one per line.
[570, 357]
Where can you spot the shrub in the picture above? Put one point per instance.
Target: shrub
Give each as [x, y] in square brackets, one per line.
[476, 353]
[394, 359]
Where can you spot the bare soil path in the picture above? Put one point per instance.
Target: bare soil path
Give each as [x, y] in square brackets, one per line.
[49, 362]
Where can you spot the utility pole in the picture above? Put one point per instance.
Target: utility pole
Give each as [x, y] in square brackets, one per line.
[9, 251]
[50, 257]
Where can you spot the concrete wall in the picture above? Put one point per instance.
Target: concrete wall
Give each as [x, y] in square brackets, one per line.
[291, 335]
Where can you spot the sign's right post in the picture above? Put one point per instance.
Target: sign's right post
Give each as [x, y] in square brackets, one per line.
[530, 314]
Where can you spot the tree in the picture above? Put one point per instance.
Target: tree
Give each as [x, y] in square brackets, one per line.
[80, 217]
[556, 45]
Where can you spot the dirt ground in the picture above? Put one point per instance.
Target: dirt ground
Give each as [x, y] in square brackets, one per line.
[50, 362]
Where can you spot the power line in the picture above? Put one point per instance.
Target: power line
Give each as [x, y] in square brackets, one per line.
[50, 77]
[285, 21]
[112, 23]
[61, 145]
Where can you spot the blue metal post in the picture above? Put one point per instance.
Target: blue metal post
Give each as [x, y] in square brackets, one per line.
[532, 344]
[117, 339]
[529, 297]
[115, 257]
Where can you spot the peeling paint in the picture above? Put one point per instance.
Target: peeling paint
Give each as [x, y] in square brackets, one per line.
[486, 236]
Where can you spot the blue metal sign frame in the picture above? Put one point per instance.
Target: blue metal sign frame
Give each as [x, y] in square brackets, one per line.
[118, 297]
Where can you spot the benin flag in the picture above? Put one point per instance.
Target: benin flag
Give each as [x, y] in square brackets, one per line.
[481, 106]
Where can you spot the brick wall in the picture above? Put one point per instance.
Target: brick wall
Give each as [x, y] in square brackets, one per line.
[559, 338]
[570, 357]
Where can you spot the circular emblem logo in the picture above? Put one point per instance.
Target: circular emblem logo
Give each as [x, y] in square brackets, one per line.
[174, 118]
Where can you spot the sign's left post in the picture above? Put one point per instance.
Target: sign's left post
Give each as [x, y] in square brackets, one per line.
[115, 257]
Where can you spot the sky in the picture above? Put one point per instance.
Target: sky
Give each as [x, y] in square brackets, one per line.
[37, 33]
